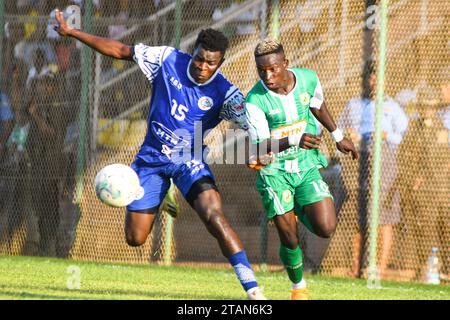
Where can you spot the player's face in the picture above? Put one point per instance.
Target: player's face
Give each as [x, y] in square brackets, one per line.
[272, 69]
[204, 64]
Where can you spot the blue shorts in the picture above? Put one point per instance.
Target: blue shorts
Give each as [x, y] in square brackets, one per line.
[155, 179]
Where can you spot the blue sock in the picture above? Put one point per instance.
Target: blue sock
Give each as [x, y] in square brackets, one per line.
[243, 270]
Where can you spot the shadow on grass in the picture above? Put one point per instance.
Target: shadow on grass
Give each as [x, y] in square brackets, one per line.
[26, 292]
[30, 295]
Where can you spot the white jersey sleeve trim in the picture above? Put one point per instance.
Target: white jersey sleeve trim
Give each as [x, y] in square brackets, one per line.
[258, 127]
[150, 59]
[317, 99]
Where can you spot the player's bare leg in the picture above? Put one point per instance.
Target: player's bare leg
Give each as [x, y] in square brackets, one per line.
[322, 216]
[287, 229]
[291, 254]
[208, 206]
[138, 225]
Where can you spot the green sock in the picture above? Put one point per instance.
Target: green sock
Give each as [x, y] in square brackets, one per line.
[292, 260]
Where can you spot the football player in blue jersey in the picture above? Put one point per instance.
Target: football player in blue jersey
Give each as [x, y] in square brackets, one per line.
[189, 97]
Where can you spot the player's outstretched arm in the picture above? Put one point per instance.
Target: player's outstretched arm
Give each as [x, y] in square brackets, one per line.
[344, 145]
[108, 47]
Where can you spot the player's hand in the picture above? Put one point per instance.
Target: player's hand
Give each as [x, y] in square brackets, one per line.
[62, 28]
[310, 141]
[257, 163]
[346, 146]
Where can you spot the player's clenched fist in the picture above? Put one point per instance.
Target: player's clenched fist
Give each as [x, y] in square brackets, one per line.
[310, 141]
[257, 163]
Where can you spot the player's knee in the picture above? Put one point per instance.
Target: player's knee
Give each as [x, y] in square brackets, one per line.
[214, 219]
[211, 213]
[326, 230]
[134, 240]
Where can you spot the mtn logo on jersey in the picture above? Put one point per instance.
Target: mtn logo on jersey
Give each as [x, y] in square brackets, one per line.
[167, 136]
[205, 103]
[289, 130]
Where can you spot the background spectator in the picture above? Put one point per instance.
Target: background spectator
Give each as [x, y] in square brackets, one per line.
[425, 184]
[358, 120]
[16, 161]
[46, 141]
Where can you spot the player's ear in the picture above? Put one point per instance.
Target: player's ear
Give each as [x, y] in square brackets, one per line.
[286, 63]
[194, 50]
[221, 61]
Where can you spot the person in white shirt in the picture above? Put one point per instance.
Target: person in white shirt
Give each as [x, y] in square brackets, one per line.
[358, 120]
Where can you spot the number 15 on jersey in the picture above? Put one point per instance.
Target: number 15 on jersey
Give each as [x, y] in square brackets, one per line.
[178, 111]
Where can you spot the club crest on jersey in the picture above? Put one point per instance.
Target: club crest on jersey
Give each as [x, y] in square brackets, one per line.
[205, 103]
[304, 98]
[287, 196]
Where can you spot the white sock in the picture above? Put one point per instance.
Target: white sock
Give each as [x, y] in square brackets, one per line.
[300, 285]
[250, 291]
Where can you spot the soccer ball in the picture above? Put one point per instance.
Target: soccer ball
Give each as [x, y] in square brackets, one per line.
[117, 185]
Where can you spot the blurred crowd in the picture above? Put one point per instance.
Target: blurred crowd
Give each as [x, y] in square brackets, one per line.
[38, 153]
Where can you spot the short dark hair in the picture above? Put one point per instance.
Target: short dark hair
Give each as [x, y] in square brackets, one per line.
[212, 40]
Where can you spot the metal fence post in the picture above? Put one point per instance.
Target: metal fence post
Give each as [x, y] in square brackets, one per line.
[373, 275]
[168, 231]
[84, 104]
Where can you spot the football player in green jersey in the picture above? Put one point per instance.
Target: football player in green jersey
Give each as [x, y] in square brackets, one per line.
[281, 111]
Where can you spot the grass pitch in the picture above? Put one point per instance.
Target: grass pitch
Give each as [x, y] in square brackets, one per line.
[45, 278]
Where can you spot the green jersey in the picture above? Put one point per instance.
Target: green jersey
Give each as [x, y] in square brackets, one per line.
[273, 116]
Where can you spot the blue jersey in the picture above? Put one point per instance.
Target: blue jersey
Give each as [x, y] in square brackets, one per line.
[180, 108]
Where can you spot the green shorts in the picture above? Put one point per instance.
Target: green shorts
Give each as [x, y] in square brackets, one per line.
[286, 191]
